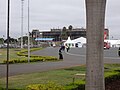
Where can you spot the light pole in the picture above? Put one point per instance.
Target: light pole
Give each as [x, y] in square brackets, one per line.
[28, 36]
[7, 66]
[22, 1]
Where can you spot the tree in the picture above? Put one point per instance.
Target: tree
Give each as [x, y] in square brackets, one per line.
[11, 40]
[25, 39]
[70, 27]
[1, 41]
[64, 34]
[95, 16]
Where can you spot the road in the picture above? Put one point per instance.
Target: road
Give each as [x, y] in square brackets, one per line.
[75, 57]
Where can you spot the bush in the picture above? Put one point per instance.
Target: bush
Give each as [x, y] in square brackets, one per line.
[47, 86]
[1, 88]
[112, 77]
[71, 87]
[78, 85]
[33, 58]
[22, 52]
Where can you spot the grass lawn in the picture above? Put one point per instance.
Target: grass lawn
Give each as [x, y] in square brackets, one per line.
[12, 55]
[62, 76]
[13, 51]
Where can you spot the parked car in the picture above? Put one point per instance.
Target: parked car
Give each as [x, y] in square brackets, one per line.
[106, 45]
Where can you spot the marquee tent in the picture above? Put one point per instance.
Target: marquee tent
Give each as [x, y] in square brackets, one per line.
[69, 43]
[79, 42]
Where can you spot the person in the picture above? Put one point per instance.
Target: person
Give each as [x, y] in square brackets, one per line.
[67, 48]
[63, 47]
[60, 54]
[119, 51]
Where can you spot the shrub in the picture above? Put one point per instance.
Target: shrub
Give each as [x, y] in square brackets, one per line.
[1, 88]
[112, 77]
[78, 85]
[47, 86]
[33, 58]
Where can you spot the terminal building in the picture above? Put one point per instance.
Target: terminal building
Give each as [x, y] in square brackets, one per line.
[62, 34]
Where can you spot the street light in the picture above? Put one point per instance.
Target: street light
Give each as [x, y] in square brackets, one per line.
[22, 1]
[7, 65]
[28, 36]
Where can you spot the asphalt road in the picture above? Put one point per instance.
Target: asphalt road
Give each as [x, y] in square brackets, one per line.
[75, 57]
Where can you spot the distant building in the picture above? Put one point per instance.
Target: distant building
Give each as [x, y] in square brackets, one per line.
[57, 33]
[61, 34]
[35, 33]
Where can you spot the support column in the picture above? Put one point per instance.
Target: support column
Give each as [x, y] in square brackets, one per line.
[95, 16]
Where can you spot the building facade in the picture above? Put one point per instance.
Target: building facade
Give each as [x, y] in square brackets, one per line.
[58, 34]
[62, 34]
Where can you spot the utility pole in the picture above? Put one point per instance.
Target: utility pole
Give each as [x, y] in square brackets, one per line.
[22, 1]
[8, 27]
[95, 16]
[28, 36]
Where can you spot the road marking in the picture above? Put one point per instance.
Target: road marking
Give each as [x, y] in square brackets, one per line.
[85, 55]
[75, 54]
[112, 57]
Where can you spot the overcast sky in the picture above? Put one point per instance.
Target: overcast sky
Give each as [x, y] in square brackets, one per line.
[47, 14]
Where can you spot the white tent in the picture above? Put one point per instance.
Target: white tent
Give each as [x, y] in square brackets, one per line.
[69, 43]
[118, 43]
[79, 42]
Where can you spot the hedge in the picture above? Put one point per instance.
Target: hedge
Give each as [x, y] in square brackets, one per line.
[22, 52]
[114, 76]
[33, 58]
[10, 89]
[47, 86]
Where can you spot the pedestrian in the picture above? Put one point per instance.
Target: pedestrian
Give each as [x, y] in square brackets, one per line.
[119, 52]
[60, 54]
[67, 48]
[63, 48]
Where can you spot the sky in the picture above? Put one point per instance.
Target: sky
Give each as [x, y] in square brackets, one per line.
[47, 14]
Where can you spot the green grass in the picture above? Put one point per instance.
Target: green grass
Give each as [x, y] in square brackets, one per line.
[62, 76]
[111, 69]
[12, 54]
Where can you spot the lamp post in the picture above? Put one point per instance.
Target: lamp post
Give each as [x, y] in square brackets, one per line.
[28, 36]
[7, 65]
[22, 1]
